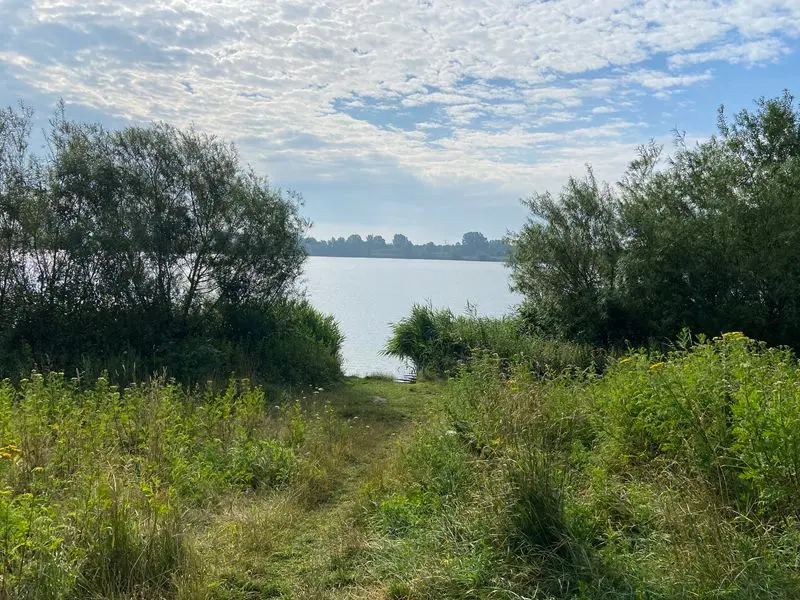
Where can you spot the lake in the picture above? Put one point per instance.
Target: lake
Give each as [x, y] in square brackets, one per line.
[366, 295]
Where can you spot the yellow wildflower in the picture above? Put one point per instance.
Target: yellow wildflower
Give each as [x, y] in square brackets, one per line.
[734, 335]
[9, 451]
[655, 366]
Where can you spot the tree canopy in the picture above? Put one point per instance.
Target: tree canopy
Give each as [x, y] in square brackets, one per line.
[708, 238]
[473, 246]
[133, 240]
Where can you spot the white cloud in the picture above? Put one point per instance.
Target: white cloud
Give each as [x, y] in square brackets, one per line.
[757, 51]
[603, 110]
[445, 91]
[657, 80]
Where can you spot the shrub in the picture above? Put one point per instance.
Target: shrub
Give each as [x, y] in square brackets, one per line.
[96, 482]
[436, 342]
[728, 408]
[707, 239]
[146, 250]
[668, 476]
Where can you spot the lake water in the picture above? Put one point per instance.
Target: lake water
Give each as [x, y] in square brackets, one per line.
[366, 295]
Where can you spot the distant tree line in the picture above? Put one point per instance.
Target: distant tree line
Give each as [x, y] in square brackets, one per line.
[473, 246]
[149, 248]
[708, 239]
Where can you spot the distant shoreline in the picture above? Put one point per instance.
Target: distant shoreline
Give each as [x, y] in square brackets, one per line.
[473, 247]
[449, 259]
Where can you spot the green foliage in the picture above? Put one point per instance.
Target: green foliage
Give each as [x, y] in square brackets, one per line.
[129, 552]
[261, 463]
[665, 477]
[436, 342]
[728, 409]
[705, 240]
[150, 248]
[96, 483]
[401, 512]
[564, 260]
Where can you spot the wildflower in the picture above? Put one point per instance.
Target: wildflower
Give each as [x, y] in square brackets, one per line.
[10, 451]
[655, 366]
[625, 360]
[735, 336]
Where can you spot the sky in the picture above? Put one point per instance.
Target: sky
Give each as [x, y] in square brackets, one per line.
[425, 117]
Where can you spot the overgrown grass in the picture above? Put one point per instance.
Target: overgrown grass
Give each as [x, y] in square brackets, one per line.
[666, 477]
[103, 491]
[436, 342]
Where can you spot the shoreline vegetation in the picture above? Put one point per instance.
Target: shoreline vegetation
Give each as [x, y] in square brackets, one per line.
[473, 247]
[589, 446]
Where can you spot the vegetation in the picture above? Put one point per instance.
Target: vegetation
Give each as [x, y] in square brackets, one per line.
[667, 477]
[542, 468]
[436, 343]
[149, 248]
[705, 240]
[156, 491]
[473, 246]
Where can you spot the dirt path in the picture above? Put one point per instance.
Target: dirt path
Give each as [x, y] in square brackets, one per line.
[289, 546]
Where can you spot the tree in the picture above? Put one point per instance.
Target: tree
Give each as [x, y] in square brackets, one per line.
[708, 239]
[376, 241]
[474, 239]
[565, 258]
[134, 239]
[400, 241]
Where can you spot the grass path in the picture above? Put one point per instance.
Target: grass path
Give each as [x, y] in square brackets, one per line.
[307, 541]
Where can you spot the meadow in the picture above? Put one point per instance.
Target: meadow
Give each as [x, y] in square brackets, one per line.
[668, 476]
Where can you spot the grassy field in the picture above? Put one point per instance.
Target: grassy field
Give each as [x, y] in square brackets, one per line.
[153, 492]
[311, 539]
[667, 477]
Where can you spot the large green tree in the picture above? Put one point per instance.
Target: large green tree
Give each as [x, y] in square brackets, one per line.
[708, 238]
[138, 239]
[564, 260]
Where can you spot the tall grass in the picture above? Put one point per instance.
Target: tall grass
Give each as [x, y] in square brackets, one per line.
[665, 477]
[99, 486]
[436, 342]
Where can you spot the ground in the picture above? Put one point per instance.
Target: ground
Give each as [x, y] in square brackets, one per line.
[301, 543]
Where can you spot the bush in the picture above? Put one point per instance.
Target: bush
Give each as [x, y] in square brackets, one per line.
[727, 408]
[96, 482]
[665, 477]
[436, 342]
[707, 239]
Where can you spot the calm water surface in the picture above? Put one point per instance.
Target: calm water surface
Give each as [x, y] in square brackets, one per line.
[366, 295]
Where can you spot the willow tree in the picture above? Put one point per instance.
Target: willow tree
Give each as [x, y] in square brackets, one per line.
[134, 239]
[708, 238]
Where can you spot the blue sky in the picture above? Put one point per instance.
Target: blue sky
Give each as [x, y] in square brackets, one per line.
[425, 117]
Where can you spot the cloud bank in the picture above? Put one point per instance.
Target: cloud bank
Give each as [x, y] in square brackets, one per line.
[492, 95]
